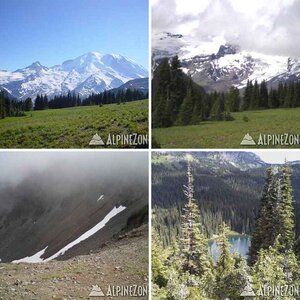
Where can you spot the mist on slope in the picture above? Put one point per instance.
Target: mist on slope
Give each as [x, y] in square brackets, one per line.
[50, 177]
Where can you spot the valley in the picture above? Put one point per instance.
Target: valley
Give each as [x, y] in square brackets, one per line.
[228, 186]
[224, 224]
[73, 127]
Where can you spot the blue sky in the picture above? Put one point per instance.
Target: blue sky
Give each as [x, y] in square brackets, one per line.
[52, 31]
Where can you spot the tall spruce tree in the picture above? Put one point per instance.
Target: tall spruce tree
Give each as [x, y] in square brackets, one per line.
[275, 219]
[187, 106]
[2, 107]
[225, 262]
[28, 105]
[161, 87]
[178, 90]
[265, 231]
[194, 257]
[197, 115]
[263, 95]
[158, 269]
[285, 217]
[233, 100]
[247, 96]
[255, 96]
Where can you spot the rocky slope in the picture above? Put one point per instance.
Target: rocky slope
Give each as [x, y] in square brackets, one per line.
[119, 263]
[82, 205]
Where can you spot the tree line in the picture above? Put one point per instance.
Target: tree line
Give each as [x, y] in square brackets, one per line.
[115, 96]
[258, 96]
[14, 108]
[72, 99]
[186, 270]
[177, 100]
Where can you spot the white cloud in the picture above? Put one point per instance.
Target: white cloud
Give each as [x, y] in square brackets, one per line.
[192, 7]
[266, 26]
[278, 156]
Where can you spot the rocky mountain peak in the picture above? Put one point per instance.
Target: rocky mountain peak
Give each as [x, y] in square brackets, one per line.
[225, 50]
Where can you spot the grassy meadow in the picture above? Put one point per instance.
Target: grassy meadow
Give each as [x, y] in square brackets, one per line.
[229, 134]
[73, 127]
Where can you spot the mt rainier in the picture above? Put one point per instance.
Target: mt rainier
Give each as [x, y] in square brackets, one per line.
[218, 65]
[84, 75]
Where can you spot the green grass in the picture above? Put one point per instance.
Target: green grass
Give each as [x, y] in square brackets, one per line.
[73, 127]
[230, 134]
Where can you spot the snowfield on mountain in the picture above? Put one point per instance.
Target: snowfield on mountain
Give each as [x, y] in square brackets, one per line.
[217, 65]
[84, 75]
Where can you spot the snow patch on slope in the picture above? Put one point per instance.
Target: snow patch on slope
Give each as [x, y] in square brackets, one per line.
[36, 258]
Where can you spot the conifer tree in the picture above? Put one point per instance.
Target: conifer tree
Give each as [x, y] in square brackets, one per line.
[187, 106]
[285, 217]
[2, 107]
[255, 96]
[216, 110]
[268, 270]
[263, 95]
[225, 261]
[158, 270]
[247, 96]
[197, 112]
[273, 99]
[161, 86]
[28, 105]
[194, 257]
[177, 89]
[265, 231]
[233, 100]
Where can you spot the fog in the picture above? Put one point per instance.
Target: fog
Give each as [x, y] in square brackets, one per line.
[52, 176]
[265, 26]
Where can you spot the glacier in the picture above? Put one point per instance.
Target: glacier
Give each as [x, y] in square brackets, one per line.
[89, 73]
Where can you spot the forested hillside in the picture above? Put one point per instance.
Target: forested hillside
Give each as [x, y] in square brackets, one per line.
[185, 269]
[178, 100]
[13, 108]
[224, 190]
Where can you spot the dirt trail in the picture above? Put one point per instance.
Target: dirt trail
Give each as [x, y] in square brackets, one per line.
[120, 263]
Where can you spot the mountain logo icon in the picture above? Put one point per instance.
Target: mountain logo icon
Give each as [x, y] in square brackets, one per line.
[96, 292]
[248, 140]
[96, 141]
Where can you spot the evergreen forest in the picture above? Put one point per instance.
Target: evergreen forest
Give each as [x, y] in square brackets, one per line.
[13, 108]
[178, 101]
[182, 264]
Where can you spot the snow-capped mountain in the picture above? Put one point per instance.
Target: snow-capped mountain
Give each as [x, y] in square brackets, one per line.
[217, 65]
[239, 160]
[140, 84]
[219, 160]
[86, 74]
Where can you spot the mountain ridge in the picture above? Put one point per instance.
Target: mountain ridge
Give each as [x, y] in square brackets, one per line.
[89, 73]
[218, 65]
